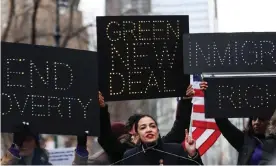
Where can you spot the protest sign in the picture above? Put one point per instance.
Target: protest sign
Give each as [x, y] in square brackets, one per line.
[229, 52]
[141, 57]
[240, 97]
[54, 90]
[61, 156]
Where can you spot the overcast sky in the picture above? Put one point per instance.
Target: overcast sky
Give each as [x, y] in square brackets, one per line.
[234, 15]
[246, 15]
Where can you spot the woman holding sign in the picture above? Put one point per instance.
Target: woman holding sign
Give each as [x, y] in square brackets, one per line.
[248, 143]
[25, 149]
[153, 151]
[115, 145]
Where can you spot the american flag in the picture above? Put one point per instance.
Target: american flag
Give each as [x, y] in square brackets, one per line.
[204, 131]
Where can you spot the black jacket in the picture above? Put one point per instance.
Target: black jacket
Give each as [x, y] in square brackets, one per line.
[169, 153]
[269, 148]
[244, 143]
[116, 150]
[269, 151]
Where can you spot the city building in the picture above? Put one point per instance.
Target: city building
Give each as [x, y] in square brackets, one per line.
[128, 7]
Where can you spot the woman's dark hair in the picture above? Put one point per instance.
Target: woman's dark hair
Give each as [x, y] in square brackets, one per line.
[142, 116]
[22, 131]
[248, 128]
[132, 120]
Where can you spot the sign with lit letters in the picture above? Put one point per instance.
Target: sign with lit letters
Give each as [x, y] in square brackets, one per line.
[141, 57]
[54, 90]
[240, 97]
[229, 52]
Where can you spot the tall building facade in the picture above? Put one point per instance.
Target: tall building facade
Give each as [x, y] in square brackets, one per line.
[202, 19]
[128, 7]
[201, 12]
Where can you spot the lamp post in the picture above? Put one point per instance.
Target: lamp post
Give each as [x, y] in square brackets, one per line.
[57, 44]
[57, 28]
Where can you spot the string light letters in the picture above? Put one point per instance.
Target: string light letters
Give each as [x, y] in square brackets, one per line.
[9, 73]
[42, 106]
[56, 76]
[128, 39]
[210, 51]
[240, 96]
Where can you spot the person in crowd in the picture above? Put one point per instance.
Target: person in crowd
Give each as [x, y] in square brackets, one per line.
[25, 149]
[248, 142]
[153, 151]
[116, 142]
[269, 147]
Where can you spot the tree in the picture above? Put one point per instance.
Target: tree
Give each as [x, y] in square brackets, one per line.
[10, 19]
[27, 22]
[33, 21]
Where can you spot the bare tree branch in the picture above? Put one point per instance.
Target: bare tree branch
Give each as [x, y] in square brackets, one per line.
[33, 28]
[70, 24]
[84, 39]
[76, 32]
[38, 35]
[25, 37]
[20, 24]
[10, 18]
[25, 11]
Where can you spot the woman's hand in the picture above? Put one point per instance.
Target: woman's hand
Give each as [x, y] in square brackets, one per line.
[203, 85]
[190, 92]
[101, 100]
[190, 144]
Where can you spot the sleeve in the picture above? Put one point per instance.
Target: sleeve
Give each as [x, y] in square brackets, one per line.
[195, 160]
[107, 140]
[11, 157]
[128, 154]
[81, 156]
[125, 162]
[266, 158]
[182, 122]
[231, 133]
[268, 153]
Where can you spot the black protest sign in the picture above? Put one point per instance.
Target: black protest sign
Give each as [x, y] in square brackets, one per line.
[240, 97]
[141, 57]
[55, 90]
[229, 52]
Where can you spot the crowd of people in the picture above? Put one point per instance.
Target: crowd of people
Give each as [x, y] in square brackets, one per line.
[138, 142]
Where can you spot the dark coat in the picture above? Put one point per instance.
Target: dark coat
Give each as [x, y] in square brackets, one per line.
[269, 148]
[269, 151]
[40, 158]
[170, 154]
[243, 142]
[116, 150]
